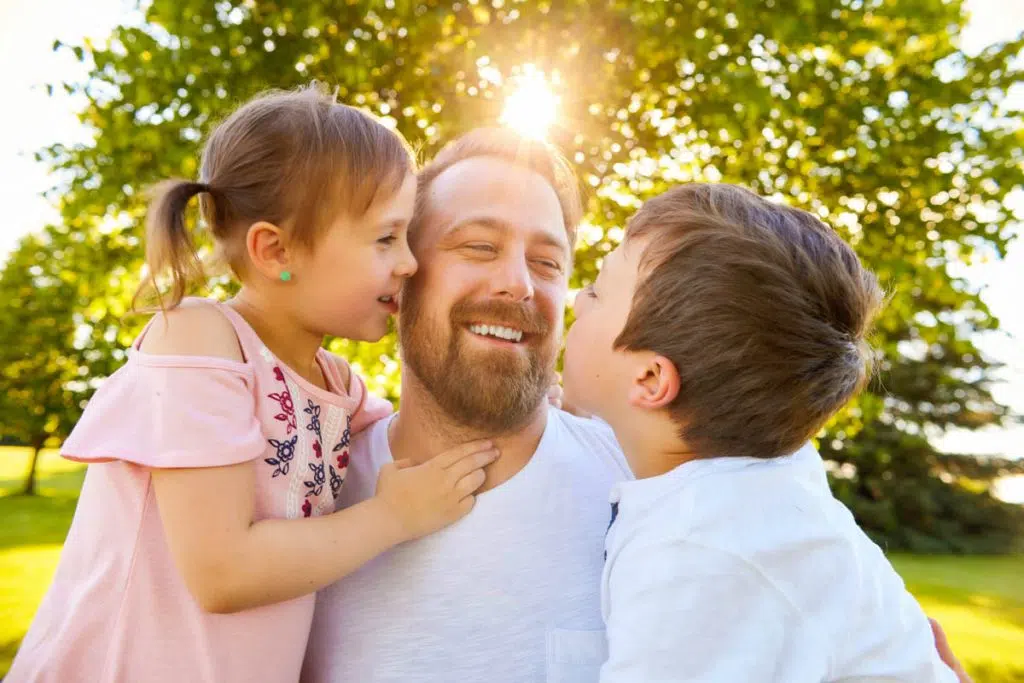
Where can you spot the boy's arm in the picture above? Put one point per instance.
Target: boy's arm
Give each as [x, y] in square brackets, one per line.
[682, 612]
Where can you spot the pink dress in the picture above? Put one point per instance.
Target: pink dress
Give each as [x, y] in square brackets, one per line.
[118, 610]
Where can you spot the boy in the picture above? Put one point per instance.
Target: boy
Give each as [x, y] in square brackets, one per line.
[718, 339]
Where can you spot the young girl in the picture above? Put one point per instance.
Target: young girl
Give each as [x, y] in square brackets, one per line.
[207, 516]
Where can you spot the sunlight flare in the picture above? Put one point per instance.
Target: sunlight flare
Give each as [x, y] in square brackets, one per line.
[532, 107]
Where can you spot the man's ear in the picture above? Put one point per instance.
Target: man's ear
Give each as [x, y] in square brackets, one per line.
[267, 246]
[655, 383]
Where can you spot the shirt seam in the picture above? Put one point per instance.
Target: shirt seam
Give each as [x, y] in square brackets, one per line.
[128, 578]
[150, 360]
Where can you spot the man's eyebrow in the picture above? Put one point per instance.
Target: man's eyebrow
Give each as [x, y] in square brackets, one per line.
[493, 224]
[498, 225]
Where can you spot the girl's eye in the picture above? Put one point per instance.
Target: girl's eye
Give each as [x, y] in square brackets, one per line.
[387, 241]
[549, 264]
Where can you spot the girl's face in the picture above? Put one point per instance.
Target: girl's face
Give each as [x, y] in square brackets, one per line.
[348, 284]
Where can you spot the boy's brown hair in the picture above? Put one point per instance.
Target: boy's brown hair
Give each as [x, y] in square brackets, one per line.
[762, 308]
[507, 145]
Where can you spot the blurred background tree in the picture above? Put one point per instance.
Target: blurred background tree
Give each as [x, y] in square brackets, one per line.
[861, 111]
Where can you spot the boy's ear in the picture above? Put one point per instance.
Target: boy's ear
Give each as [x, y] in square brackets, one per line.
[267, 246]
[655, 384]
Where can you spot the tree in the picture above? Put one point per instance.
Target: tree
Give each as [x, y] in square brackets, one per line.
[861, 111]
[52, 305]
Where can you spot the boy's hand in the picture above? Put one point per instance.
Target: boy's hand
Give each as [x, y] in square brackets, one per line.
[946, 652]
[425, 498]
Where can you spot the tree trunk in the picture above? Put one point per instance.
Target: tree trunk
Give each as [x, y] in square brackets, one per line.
[30, 482]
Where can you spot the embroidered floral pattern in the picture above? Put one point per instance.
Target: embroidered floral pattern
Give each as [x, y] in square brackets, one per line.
[343, 444]
[346, 436]
[313, 410]
[335, 482]
[284, 399]
[298, 458]
[316, 486]
[282, 460]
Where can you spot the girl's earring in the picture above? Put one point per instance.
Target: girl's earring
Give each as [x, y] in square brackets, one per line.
[286, 275]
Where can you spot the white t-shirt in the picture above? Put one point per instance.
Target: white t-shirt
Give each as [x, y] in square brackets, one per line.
[509, 594]
[741, 569]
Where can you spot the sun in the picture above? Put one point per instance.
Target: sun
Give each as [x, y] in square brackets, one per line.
[532, 107]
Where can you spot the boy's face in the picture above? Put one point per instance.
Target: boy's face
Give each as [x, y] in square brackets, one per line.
[596, 376]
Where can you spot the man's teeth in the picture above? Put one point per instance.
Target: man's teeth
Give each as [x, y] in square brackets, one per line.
[498, 331]
[385, 299]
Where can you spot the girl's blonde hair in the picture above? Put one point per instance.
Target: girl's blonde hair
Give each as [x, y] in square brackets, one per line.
[292, 158]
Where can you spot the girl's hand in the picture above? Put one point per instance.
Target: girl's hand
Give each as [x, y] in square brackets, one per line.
[425, 498]
[555, 393]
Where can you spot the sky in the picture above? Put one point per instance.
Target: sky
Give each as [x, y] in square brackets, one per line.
[32, 120]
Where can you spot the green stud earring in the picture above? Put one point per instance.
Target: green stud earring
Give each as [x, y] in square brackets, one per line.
[286, 275]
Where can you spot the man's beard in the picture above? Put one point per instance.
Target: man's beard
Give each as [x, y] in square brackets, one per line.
[494, 392]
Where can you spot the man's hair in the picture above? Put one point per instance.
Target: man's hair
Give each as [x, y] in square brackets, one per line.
[762, 308]
[507, 145]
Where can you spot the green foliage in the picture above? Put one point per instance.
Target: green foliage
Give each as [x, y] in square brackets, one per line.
[60, 332]
[909, 497]
[860, 111]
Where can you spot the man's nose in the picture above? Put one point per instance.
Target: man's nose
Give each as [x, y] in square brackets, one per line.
[513, 280]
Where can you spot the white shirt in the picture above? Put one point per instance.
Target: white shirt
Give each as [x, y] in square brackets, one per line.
[741, 569]
[509, 594]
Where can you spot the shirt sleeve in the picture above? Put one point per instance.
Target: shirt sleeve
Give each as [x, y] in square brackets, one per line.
[171, 412]
[681, 612]
[370, 407]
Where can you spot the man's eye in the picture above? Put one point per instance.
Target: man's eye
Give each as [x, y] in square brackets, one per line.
[483, 248]
[589, 291]
[387, 240]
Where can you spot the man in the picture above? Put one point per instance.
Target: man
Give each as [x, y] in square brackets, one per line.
[510, 593]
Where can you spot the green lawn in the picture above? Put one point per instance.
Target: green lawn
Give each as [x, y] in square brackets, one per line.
[979, 600]
[31, 534]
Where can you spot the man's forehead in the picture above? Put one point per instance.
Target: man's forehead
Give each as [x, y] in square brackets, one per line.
[492, 187]
[484, 176]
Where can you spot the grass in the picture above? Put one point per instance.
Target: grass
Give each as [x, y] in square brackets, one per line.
[980, 603]
[978, 600]
[31, 536]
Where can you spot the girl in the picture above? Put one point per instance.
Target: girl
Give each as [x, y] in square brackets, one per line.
[207, 519]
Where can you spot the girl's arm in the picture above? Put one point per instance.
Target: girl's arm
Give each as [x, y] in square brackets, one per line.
[229, 562]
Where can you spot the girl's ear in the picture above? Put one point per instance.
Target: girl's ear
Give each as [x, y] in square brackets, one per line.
[267, 247]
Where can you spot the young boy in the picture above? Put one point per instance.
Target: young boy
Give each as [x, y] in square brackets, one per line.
[718, 339]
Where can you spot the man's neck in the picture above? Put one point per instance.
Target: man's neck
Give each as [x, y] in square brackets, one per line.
[421, 430]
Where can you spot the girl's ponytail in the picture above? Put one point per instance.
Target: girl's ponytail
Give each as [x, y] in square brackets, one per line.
[169, 244]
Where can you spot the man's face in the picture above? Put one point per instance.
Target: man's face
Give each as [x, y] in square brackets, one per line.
[481, 321]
